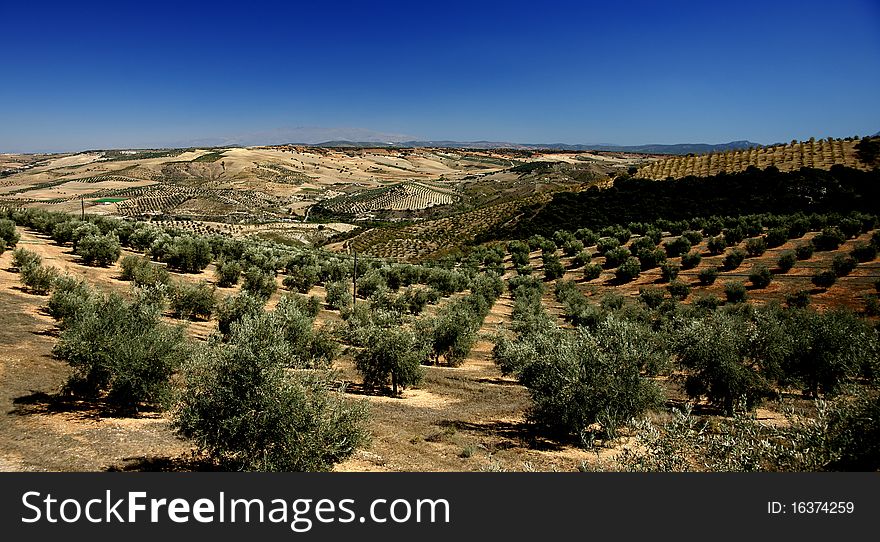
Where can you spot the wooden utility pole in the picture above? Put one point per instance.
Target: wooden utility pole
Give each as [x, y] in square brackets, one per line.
[82, 203]
[354, 280]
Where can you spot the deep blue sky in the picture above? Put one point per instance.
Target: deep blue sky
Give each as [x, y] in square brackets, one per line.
[143, 74]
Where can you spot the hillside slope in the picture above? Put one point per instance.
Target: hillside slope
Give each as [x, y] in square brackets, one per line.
[821, 154]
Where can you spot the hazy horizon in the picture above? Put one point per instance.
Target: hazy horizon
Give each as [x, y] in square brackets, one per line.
[169, 75]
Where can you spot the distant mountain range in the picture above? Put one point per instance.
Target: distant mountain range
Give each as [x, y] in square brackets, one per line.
[681, 148]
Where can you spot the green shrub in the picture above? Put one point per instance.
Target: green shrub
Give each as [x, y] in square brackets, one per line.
[677, 247]
[799, 299]
[678, 290]
[786, 261]
[864, 252]
[734, 236]
[612, 301]
[713, 226]
[776, 237]
[616, 256]
[691, 260]
[715, 350]
[234, 308]
[760, 276]
[829, 239]
[628, 270]
[733, 259]
[797, 228]
[302, 278]
[669, 271]
[570, 248]
[708, 302]
[756, 246]
[850, 227]
[716, 245]
[141, 272]
[83, 230]
[259, 283]
[605, 244]
[592, 271]
[649, 259]
[587, 236]
[71, 298]
[309, 306]
[241, 404]
[553, 268]
[851, 440]
[370, 283]
[2, 246]
[651, 297]
[872, 305]
[227, 273]
[445, 281]
[735, 292]
[453, 334]
[62, 233]
[9, 233]
[121, 351]
[586, 382]
[825, 279]
[22, 257]
[338, 295]
[100, 250]
[694, 237]
[560, 237]
[415, 299]
[193, 300]
[829, 348]
[641, 245]
[581, 259]
[188, 254]
[707, 275]
[393, 355]
[804, 251]
[38, 278]
[843, 264]
[522, 270]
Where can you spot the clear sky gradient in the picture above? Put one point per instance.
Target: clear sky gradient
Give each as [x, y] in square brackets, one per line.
[84, 76]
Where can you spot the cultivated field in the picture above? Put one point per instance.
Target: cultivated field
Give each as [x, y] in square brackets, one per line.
[501, 313]
[820, 154]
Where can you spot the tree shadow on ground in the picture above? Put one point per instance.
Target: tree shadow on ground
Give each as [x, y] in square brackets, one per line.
[183, 463]
[39, 402]
[497, 380]
[354, 388]
[514, 432]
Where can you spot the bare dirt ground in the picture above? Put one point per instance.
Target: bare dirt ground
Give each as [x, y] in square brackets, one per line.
[39, 432]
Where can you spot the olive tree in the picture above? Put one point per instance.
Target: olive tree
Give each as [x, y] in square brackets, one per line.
[121, 351]
[393, 355]
[100, 250]
[241, 404]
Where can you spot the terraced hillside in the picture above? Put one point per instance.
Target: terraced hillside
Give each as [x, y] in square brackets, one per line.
[399, 197]
[820, 154]
[433, 238]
